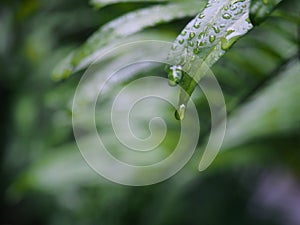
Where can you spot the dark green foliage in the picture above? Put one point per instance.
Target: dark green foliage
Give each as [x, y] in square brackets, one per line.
[46, 181]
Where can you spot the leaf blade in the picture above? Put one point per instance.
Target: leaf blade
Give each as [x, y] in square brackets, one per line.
[130, 23]
[102, 3]
[261, 9]
[207, 37]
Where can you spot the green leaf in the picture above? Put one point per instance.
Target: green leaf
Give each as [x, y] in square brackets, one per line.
[101, 3]
[55, 172]
[120, 28]
[271, 111]
[261, 9]
[206, 39]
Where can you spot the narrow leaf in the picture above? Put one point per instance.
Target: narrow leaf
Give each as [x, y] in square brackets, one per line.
[120, 28]
[270, 111]
[206, 39]
[261, 9]
[101, 3]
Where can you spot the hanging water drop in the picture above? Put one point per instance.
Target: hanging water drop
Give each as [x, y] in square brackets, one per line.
[174, 75]
[179, 113]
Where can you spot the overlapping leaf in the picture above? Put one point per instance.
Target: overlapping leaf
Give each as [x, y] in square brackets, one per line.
[102, 3]
[261, 9]
[207, 37]
[122, 27]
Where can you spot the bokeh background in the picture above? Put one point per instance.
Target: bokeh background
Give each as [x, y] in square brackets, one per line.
[44, 179]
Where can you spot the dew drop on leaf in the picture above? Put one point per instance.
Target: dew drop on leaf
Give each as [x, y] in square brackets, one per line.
[179, 113]
[197, 25]
[226, 16]
[191, 44]
[201, 16]
[212, 38]
[216, 29]
[196, 50]
[174, 75]
[192, 35]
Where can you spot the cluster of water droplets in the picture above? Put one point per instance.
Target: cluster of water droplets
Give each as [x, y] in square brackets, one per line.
[210, 26]
[208, 36]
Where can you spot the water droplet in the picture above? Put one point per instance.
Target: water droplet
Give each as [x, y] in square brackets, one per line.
[226, 16]
[212, 38]
[197, 25]
[196, 50]
[200, 35]
[181, 41]
[174, 75]
[191, 43]
[192, 35]
[216, 29]
[233, 7]
[201, 16]
[201, 44]
[239, 12]
[183, 33]
[179, 113]
[236, 1]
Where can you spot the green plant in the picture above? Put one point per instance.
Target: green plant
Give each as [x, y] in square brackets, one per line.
[268, 51]
[257, 66]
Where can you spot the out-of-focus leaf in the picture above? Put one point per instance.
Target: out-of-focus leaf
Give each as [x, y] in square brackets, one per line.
[271, 111]
[122, 27]
[208, 37]
[56, 172]
[261, 9]
[101, 3]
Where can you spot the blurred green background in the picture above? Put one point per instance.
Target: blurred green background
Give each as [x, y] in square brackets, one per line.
[44, 179]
